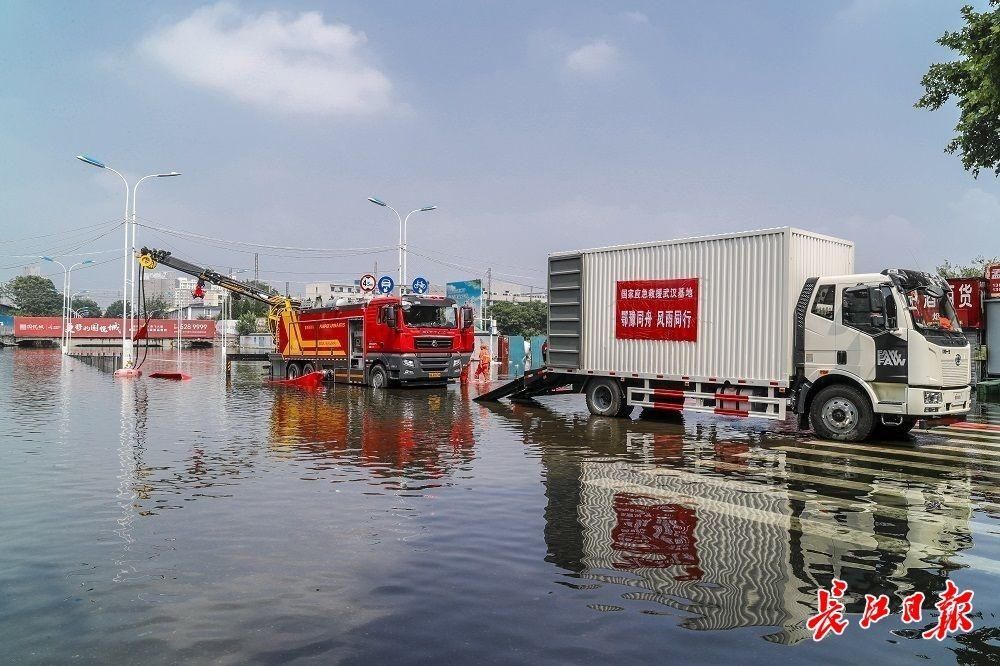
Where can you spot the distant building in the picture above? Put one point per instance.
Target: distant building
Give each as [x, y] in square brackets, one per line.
[513, 293]
[176, 290]
[34, 269]
[195, 310]
[318, 294]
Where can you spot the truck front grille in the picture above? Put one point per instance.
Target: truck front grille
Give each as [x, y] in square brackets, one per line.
[433, 343]
[434, 363]
[956, 374]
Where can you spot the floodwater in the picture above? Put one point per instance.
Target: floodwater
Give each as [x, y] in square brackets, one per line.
[152, 521]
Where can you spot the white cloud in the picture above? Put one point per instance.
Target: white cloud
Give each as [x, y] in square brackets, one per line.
[636, 17]
[292, 63]
[598, 58]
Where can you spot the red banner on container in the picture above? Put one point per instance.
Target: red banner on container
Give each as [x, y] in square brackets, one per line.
[993, 281]
[51, 327]
[657, 309]
[967, 297]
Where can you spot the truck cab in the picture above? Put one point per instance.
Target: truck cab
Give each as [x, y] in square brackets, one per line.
[879, 350]
[416, 339]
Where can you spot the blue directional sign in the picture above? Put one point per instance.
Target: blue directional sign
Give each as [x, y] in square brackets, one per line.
[420, 285]
[386, 285]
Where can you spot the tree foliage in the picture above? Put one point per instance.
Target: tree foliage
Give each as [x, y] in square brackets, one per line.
[525, 319]
[976, 268]
[240, 306]
[246, 324]
[34, 296]
[86, 307]
[115, 309]
[156, 307]
[974, 81]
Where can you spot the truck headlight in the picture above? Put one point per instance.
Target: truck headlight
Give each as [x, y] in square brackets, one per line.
[408, 363]
[932, 397]
[456, 363]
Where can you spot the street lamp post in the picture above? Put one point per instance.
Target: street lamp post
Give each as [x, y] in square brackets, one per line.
[128, 358]
[402, 235]
[69, 319]
[133, 308]
[65, 295]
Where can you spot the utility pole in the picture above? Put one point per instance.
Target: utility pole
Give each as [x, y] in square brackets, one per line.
[489, 286]
[256, 267]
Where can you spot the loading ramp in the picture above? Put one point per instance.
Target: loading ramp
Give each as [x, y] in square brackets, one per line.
[534, 383]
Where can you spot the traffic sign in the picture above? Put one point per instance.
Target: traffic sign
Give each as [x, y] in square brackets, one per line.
[386, 285]
[367, 282]
[420, 285]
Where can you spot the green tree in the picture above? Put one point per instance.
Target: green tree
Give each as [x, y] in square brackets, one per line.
[241, 305]
[86, 307]
[156, 307]
[974, 80]
[520, 318]
[34, 296]
[246, 324]
[115, 309]
[976, 268]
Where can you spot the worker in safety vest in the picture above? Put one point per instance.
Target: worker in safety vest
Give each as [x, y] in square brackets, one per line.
[483, 369]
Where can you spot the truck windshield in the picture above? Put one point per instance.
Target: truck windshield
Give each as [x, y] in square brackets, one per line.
[430, 316]
[930, 313]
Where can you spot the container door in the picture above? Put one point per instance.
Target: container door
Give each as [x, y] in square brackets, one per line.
[993, 337]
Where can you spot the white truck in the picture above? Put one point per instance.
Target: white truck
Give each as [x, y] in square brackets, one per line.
[753, 324]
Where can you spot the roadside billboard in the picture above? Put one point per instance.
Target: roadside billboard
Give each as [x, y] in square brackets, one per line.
[993, 281]
[469, 292]
[104, 328]
[967, 297]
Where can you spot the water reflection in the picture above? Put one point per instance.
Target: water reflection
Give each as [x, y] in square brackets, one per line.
[387, 434]
[730, 532]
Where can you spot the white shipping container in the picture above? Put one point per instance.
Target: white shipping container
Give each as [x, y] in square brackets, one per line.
[748, 285]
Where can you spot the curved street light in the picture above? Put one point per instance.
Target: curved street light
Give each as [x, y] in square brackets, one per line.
[65, 293]
[128, 276]
[402, 235]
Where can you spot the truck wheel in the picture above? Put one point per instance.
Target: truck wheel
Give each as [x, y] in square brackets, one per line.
[604, 398]
[378, 378]
[293, 371]
[307, 368]
[841, 413]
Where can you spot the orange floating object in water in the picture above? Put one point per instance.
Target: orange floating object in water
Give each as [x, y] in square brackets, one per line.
[128, 372]
[180, 376]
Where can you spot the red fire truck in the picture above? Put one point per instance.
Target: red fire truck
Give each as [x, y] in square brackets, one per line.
[379, 341]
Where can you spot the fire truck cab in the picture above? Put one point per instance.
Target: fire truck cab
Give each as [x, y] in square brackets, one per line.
[381, 342]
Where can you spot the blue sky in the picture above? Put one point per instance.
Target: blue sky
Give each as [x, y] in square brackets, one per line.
[534, 127]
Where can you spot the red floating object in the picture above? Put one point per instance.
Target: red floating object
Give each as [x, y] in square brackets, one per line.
[128, 372]
[179, 376]
[311, 380]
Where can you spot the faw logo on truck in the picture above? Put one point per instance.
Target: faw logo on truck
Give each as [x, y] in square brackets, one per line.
[891, 357]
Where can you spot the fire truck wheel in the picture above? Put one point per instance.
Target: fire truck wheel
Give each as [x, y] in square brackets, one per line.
[605, 398]
[293, 371]
[843, 413]
[307, 368]
[378, 378]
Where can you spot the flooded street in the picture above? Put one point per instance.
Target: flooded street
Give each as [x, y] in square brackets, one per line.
[153, 521]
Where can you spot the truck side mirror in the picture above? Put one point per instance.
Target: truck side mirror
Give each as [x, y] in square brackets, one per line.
[878, 321]
[390, 316]
[467, 317]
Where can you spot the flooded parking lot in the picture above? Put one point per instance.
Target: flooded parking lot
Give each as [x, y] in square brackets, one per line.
[237, 522]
